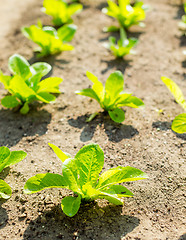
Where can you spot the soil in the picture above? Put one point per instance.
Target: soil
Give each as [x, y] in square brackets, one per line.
[144, 140]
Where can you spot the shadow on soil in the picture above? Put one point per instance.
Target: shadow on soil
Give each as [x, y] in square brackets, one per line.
[3, 215]
[180, 11]
[15, 126]
[118, 63]
[184, 64]
[164, 126]
[116, 132]
[182, 237]
[58, 63]
[91, 222]
[182, 41]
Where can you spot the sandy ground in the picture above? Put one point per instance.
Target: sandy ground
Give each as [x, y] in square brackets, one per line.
[144, 140]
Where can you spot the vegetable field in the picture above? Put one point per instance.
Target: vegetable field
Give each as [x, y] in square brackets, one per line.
[89, 114]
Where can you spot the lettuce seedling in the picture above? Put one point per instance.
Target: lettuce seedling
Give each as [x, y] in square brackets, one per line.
[125, 14]
[50, 40]
[61, 11]
[111, 97]
[81, 175]
[123, 47]
[25, 85]
[8, 158]
[182, 23]
[179, 123]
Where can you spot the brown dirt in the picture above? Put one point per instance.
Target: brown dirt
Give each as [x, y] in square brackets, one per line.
[144, 140]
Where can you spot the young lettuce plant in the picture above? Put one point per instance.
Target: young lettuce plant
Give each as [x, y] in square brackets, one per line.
[61, 11]
[179, 123]
[8, 158]
[182, 23]
[50, 40]
[111, 97]
[81, 175]
[123, 47]
[25, 85]
[125, 14]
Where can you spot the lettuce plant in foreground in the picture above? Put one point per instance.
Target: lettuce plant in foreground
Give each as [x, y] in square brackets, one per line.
[81, 175]
[125, 14]
[25, 85]
[111, 97]
[179, 123]
[61, 11]
[8, 158]
[123, 47]
[50, 40]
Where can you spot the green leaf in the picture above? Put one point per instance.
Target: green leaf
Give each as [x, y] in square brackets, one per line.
[114, 194]
[5, 80]
[46, 97]
[119, 190]
[70, 173]
[70, 205]
[8, 158]
[74, 8]
[18, 65]
[5, 190]
[123, 99]
[176, 91]
[88, 92]
[89, 160]
[42, 181]
[111, 29]
[130, 101]
[119, 175]
[126, 14]
[60, 11]
[10, 101]
[66, 32]
[112, 198]
[50, 84]
[33, 81]
[179, 123]
[112, 9]
[15, 157]
[66, 47]
[4, 156]
[61, 155]
[46, 38]
[25, 109]
[90, 193]
[114, 85]
[18, 86]
[123, 46]
[41, 67]
[117, 115]
[97, 86]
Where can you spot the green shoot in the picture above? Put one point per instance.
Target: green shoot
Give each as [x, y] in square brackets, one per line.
[25, 85]
[8, 158]
[81, 175]
[179, 123]
[50, 40]
[126, 14]
[123, 47]
[111, 97]
[61, 11]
